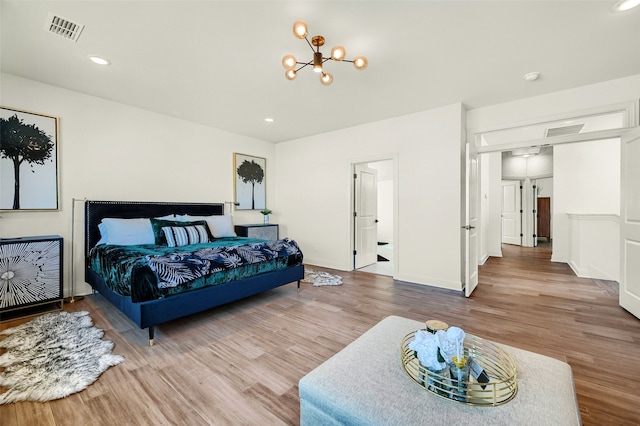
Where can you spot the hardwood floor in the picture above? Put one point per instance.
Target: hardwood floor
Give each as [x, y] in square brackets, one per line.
[240, 364]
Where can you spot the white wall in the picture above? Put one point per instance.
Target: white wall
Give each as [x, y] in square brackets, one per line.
[493, 231]
[545, 187]
[539, 166]
[513, 167]
[520, 168]
[586, 181]
[314, 192]
[109, 151]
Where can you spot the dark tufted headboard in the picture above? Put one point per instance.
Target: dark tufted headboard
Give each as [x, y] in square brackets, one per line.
[95, 211]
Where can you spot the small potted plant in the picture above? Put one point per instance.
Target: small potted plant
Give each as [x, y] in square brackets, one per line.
[265, 215]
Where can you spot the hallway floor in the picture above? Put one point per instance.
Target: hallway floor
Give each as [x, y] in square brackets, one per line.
[383, 267]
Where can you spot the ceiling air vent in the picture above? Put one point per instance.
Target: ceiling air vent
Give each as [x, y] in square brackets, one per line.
[561, 131]
[63, 27]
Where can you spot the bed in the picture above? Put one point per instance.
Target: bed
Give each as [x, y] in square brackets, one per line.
[156, 295]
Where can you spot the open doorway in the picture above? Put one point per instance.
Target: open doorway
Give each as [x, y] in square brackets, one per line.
[374, 247]
[580, 201]
[527, 188]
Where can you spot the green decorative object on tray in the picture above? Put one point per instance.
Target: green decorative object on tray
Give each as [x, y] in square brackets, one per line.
[498, 365]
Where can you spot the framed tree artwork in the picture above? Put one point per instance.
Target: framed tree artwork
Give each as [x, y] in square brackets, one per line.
[250, 182]
[28, 160]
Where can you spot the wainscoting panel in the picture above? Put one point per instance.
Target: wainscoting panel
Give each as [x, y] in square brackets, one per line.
[594, 246]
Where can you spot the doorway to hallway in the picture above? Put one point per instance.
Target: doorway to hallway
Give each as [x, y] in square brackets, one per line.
[374, 216]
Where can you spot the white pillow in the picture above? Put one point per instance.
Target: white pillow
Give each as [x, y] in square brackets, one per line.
[220, 226]
[127, 232]
[103, 234]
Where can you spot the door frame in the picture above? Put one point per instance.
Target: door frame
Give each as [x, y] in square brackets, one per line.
[396, 209]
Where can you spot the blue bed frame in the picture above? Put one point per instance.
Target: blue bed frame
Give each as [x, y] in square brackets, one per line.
[151, 313]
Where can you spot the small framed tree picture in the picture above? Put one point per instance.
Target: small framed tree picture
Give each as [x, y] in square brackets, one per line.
[250, 182]
[28, 160]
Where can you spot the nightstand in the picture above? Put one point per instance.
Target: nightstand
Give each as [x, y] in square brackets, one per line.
[263, 231]
[30, 275]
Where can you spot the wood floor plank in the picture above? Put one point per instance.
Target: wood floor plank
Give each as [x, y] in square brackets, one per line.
[241, 363]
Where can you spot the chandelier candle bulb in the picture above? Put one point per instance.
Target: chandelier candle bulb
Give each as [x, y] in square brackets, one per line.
[338, 53]
[290, 74]
[289, 62]
[300, 29]
[360, 62]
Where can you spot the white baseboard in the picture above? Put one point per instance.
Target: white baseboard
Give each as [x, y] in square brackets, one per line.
[449, 285]
[326, 264]
[576, 269]
[591, 272]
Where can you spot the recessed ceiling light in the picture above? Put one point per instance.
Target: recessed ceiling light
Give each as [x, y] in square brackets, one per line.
[98, 60]
[532, 76]
[623, 5]
[269, 120]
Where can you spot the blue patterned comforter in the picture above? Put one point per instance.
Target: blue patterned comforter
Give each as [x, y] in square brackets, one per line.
[148, 272]
[178, 268]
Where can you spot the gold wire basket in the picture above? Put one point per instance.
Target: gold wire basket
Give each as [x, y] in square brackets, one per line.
[498, 365]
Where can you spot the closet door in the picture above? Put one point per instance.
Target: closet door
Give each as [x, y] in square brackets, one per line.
[511, 212]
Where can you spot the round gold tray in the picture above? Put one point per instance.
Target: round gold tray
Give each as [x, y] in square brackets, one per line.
[498, 364]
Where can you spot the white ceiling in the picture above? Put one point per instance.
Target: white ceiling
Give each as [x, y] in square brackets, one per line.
[218, 62]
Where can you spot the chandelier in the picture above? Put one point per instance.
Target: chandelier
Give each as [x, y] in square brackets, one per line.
[289, 62]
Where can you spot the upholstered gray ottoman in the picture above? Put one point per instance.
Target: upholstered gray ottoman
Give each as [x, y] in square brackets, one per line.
[365, 384]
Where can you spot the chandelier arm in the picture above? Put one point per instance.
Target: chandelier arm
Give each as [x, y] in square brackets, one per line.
[303, 65]
[310, 45]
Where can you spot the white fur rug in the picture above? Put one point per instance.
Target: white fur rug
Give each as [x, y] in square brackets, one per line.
[318, 278]
[53, 356]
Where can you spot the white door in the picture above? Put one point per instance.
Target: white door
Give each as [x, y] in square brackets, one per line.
[630, 223]
[471, 221]
[511, 212]
[365, 216]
